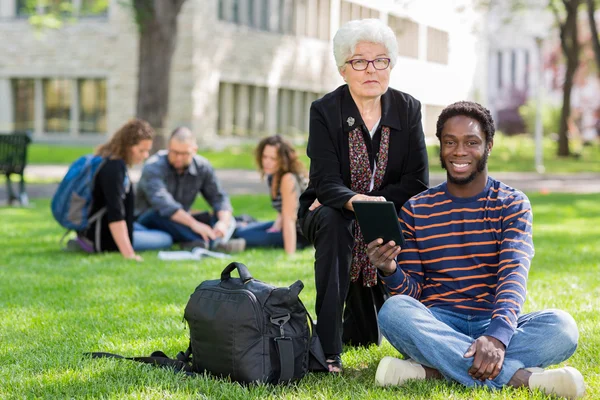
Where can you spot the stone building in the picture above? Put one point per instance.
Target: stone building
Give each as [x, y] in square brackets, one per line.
[242, 68]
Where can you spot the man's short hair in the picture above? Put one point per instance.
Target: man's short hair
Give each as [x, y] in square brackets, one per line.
[468, 109]
[183, 134]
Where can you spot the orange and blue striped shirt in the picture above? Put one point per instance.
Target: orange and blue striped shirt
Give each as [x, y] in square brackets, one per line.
[471, 255]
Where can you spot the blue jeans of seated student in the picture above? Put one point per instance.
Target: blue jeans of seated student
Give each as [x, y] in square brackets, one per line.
[181, 233]
[150, 239]
[256, 235]
[438, 338]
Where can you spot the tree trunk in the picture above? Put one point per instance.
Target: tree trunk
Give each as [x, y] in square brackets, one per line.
[570, 45]
[594, 30]
[157, 22]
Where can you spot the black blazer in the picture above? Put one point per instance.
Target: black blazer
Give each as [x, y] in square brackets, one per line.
[407, 170]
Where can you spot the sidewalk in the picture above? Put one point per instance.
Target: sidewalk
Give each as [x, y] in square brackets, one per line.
[237, 182]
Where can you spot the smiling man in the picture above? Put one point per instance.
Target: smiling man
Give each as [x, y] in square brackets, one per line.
[459, 284]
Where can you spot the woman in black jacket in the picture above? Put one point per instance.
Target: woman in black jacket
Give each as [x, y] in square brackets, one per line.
[365, 143]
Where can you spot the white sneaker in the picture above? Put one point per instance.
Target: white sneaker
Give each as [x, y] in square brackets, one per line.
[564, 382]
[393, 371]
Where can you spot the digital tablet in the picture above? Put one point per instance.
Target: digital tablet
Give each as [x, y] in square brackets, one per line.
[378, 219]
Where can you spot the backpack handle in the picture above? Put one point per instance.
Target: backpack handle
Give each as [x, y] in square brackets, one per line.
[242, 270]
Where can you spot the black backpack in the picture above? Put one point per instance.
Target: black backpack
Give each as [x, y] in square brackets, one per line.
[247, 330]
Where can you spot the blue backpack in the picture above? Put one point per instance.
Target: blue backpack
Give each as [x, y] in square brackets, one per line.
[72, 202]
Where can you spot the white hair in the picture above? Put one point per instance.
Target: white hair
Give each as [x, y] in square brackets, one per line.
[363, 30]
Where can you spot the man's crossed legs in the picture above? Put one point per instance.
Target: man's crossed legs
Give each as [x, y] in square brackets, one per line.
[187, 237]
[436, 339]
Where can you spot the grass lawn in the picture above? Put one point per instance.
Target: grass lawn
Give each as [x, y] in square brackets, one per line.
[54, 306]
[510, 154]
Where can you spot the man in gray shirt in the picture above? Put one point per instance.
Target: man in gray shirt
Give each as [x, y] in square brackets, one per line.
[170, 182]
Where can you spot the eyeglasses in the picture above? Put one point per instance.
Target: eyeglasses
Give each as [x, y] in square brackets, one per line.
[181, 153]
[361, 65]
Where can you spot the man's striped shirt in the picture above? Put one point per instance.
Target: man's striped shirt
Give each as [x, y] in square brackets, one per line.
[471, 255]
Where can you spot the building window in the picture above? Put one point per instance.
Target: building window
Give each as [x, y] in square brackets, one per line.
[92, 105]
[500, 70]
[286, 17]
[244, 110]
[57, 105]
[264, 20]
[437, 46]
[93, 8]
[350, 11]
[407, 33]
[513, 68]
[80, 8]
[23, 104]
[527, 66]
[26, 7]
[257, 14]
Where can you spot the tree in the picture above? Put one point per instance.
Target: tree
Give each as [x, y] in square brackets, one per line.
[591, 9]
[569, 42]
[565, 14]
[157, 22]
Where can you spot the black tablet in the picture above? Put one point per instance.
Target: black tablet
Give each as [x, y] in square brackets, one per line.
[378, 219]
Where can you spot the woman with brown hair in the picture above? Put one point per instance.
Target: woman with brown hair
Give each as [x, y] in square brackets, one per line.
[114, 230]
[286, 177]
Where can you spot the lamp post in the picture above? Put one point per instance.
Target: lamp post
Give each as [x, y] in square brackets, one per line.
[539, 134]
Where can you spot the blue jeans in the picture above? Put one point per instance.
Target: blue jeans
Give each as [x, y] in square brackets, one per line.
[438, 338]
[256, 235]
[181, 233]
[150, 239]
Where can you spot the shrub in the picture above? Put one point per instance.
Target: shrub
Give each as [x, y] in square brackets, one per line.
[509, 121]
[550, 117]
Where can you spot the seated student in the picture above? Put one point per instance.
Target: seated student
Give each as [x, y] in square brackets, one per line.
[130, 145]
[170, 182]
[286, 177]
[459, 284]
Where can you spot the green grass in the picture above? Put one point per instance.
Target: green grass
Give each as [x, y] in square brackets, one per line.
[510, 154]
[55, 154]
[54, 306]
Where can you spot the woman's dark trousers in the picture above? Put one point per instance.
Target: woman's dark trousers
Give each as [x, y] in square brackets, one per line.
[331, 234]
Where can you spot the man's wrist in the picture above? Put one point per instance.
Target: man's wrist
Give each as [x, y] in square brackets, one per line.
[388, 272]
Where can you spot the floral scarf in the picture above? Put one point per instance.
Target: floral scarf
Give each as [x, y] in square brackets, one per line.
[360, 180]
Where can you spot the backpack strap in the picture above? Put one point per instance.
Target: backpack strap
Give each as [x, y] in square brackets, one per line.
[97, 219]
[62, 239]
[316, 357]
[285, 348]
[157, 358]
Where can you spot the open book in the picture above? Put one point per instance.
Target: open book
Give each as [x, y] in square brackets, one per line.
[197, 253]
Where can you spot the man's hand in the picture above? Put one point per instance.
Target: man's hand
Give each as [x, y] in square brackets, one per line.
[220, 229]
[383, 256]
[204, 230]
[489, 357]
[361, 197]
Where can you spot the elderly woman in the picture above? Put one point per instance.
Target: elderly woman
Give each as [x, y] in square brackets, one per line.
[366, 143]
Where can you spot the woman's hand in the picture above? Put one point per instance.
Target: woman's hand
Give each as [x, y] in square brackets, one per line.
[316, 204]
[361, 197]
[135, 257]
[383, 256]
